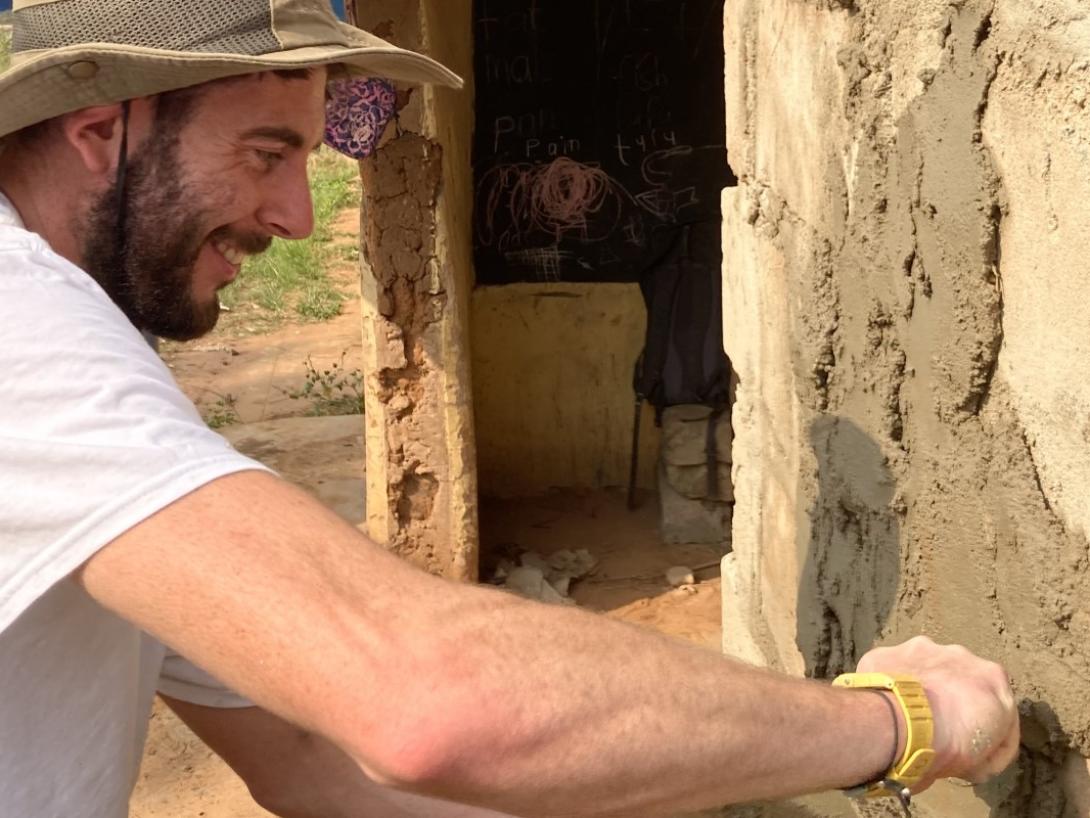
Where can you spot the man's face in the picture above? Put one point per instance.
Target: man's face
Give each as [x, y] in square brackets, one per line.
[204, 191]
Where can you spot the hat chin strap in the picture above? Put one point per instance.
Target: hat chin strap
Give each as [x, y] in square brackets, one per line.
[121, 245]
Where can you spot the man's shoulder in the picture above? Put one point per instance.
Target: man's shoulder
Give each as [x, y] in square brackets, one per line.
[32, 271]
[40, 287]
[27, 258]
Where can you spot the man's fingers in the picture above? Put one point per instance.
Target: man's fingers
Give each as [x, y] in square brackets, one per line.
[998, 756]
[1007, 751]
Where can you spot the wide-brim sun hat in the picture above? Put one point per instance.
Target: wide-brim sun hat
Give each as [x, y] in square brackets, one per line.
[73, 54]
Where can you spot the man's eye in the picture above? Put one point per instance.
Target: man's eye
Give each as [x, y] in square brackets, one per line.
[269, 158]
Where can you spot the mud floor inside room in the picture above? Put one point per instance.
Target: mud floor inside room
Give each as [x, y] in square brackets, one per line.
[627, 574]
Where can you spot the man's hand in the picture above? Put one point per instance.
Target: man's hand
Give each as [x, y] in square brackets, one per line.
[976, 720]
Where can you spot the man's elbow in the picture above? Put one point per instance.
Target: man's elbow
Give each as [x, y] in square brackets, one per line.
[445, 747]
[421, 758]
[285, 804]
[320, 781]
[435, 722]
[305, 785]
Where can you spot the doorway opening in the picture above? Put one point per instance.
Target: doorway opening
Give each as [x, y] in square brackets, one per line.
[599, 158]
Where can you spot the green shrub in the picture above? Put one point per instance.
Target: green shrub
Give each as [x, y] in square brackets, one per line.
[333, 390]
[222, 412]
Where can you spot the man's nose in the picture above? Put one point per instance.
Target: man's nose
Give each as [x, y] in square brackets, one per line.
[287, 210]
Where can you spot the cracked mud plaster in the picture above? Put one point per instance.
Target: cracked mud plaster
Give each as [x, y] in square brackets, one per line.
[922, 504]
[401, 185]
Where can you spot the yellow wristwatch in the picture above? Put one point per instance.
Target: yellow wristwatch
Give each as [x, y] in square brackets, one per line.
[910, 768]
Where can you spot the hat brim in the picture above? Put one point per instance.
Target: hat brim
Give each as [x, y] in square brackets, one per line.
[42, 86]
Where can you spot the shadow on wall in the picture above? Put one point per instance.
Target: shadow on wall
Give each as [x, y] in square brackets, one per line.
[849, 582]
[1050, 779]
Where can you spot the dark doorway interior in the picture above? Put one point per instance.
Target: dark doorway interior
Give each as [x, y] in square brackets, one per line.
[599, 156]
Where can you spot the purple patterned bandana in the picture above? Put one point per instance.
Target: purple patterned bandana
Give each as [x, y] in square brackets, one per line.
[357, 113]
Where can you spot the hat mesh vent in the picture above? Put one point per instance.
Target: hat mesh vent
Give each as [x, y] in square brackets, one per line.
[232, 27]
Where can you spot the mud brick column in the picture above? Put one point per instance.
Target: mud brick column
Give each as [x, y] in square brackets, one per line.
[421, 475]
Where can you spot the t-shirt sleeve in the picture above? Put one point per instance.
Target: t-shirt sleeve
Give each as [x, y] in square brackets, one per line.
[181, 679]
[95, 435]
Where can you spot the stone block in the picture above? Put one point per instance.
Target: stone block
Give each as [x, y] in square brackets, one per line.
[529, 581]
[685, 452]
[689, 513]
[685, 520]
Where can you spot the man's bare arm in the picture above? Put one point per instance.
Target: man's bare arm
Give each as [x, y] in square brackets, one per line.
[476, 696]
[293, 773]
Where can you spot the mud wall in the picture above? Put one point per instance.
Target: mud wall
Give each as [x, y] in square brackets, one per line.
[552, 386]
[906, 305]
[421, 483]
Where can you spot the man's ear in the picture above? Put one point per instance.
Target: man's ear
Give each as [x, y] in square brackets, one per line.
[95, 135]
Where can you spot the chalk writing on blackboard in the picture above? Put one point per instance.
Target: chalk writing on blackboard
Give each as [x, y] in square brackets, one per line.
[561, 197]
[568, 197]
[600, 132]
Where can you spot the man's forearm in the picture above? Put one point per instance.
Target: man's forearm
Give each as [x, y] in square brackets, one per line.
[468, 693]
[564, 703]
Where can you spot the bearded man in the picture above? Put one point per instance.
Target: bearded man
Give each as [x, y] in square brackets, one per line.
[148, 149]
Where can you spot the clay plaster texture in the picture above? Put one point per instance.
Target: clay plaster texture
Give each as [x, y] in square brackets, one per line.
[906, 305]
[421, 484]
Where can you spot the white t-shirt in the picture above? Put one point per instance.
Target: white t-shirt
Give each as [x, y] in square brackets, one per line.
[95, 437]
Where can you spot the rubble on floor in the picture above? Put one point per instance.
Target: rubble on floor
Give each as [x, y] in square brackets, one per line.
[545, 579]
[680, 575]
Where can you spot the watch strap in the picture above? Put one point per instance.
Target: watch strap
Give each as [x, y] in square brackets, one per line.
[919, 753]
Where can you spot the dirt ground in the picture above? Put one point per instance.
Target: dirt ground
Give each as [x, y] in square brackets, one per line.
[179, 775]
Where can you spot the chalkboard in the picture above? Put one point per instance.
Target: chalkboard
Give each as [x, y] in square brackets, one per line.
[600, 132]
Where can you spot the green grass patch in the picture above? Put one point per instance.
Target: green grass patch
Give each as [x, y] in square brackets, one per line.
[293, 276]
[5, 49]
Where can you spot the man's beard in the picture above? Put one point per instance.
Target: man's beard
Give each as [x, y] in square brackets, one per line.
[149, 275]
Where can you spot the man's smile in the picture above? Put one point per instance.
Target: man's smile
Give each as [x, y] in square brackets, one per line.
[233, 255]
[232, 248]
